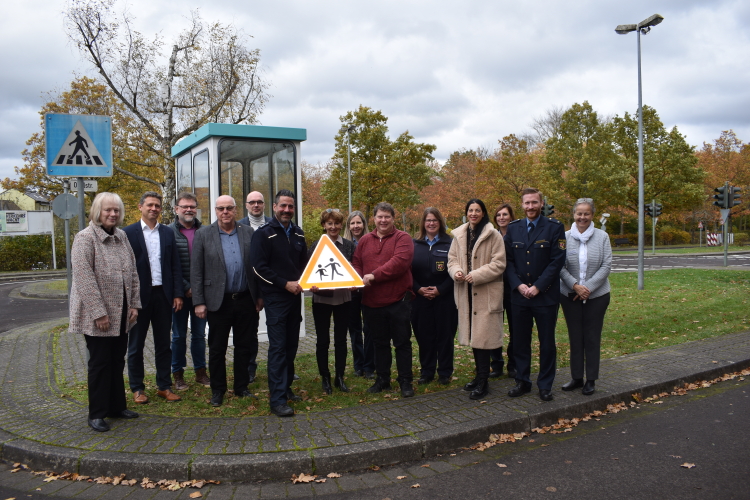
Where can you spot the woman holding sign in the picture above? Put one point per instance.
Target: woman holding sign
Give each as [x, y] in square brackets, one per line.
[332, 302]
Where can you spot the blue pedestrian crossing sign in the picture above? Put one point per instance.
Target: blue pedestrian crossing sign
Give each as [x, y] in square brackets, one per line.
[78, 145]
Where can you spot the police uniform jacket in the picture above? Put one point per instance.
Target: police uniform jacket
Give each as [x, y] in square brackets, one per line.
[430, 268]
[278, 258]
[535, 259]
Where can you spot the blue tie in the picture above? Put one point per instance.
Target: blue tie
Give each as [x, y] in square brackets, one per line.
[531, 226]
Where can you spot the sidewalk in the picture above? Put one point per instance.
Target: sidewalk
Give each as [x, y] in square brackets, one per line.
[47, 432]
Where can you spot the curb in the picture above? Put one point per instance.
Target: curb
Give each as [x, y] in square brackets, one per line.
[38, 291]
[241, 467]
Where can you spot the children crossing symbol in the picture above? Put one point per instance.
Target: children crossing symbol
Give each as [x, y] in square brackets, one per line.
[329, 269]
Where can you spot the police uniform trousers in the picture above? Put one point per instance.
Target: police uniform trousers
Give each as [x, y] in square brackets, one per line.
[545, 317]
[435, 323]
[283, 319]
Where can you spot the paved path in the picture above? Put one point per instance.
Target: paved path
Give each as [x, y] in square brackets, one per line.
[40, 428]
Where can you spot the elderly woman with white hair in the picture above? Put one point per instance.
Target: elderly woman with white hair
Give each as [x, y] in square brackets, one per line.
[104, 303]
[584, 294]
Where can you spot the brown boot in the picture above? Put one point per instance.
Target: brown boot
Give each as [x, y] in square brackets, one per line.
[202, 378]
[179, 381]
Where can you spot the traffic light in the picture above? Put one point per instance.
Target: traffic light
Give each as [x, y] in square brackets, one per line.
[649, 211]
[722, 198]
[734, 197]
[547, 209]
[657, 209]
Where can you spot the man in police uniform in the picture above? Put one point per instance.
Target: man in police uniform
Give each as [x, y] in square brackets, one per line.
[279, 255]
[535, 253]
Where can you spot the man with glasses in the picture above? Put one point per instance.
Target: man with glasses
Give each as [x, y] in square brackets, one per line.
[184, 227]
[225, 292]
[255, 208]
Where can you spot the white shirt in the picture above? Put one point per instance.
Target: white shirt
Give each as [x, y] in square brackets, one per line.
[153, 247]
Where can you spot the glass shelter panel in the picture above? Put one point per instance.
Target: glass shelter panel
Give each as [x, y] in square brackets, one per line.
[184, 174]
[201, 186]
[262, 166]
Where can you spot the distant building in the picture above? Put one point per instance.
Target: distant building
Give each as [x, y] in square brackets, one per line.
[13, 199]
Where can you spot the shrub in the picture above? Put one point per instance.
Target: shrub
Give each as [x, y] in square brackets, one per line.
[23, 253]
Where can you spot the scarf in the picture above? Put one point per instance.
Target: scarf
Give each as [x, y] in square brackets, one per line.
[582, 239]
[256, 222]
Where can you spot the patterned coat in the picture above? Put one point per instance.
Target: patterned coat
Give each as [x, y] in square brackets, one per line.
[103, 268]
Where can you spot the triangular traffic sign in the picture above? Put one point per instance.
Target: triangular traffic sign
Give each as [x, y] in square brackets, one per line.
[78, 149]
[329, 269]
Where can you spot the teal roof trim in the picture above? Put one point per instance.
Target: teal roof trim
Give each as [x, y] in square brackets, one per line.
[238, 131]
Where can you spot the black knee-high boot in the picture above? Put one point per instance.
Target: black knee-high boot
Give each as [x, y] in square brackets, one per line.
[482, 361]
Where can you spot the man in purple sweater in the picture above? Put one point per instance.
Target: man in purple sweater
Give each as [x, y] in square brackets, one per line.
[383, 259]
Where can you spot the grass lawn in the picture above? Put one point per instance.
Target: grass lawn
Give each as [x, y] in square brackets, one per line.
[57, 285]
[678, 305]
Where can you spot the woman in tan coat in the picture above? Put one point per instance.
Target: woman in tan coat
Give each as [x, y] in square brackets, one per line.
[104, 303]
[476, 262]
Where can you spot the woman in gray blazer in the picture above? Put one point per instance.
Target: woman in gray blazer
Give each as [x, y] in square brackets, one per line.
[584, 294]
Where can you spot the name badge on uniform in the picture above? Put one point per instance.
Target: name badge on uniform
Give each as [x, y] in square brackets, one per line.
[562, 244]
[440, 265]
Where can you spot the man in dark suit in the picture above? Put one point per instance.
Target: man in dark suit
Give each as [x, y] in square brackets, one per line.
[255, 210]
[158, 265]
[535, 253]
[225, 291]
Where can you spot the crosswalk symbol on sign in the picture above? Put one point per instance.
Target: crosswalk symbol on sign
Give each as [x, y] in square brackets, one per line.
[328, 268]
[78, 149]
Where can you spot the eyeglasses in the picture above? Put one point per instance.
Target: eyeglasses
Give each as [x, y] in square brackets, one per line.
[255, 202]
[329, 210]
[225, 209]
[187, 207]
[431, 221]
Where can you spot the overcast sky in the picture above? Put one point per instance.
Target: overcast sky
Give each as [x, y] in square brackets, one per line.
[455, 74]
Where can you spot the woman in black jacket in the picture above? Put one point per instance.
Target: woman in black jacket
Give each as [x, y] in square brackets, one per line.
[434, 317]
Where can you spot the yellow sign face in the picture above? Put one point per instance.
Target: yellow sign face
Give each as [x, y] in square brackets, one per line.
[328, 269]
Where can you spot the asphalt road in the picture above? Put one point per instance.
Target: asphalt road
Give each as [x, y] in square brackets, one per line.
[18, 311]
[625, 263]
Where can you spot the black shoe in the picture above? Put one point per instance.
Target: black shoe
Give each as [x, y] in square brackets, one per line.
[283, 410]
[359, 373]
[339, 383]
[295, 377]
[519, 390]
[124, 414]
[588, 388]
[291, 396]
[325, 383]
[369, 375]
[245, 394]
[471, 385]
[98, 424]
[217, 398]
[573, 384]
[497, 374]
[444, 380]
[481, 390]
[511, 373]
[407, 390]
[425, 380]
[545, 395]
[380, 385]
[251, 379]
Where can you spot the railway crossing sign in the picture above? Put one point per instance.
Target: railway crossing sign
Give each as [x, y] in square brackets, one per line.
[78, 145]
[328, 268]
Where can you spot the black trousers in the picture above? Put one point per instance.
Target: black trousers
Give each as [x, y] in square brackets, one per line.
[105, 374]
[391, 324]
[482, 362]
[523, 323]
[283, 318]
[434, 323]
[585, 322]
[362, 350]
[322, 317]
[239, 316]
[158, 314]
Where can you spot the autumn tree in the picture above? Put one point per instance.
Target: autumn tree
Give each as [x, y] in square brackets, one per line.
[85, 96]
[313, 201]
[382, 169]
[206, 74]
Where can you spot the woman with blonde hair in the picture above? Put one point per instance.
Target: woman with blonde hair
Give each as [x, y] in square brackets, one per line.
[363, 350]
[104, 303]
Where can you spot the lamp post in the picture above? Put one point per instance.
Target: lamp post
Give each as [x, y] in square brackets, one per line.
[641, 28]
[349, 130]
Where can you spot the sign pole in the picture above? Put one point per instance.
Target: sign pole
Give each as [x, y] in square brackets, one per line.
[726, 223]
[54, 255]
[66, 185]
[81, 205]
[653, 228]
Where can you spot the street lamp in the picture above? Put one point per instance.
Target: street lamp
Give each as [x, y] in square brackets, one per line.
[641, 28]
[349, 130]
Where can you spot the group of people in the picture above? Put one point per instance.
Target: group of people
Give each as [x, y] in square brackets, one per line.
[225, 273]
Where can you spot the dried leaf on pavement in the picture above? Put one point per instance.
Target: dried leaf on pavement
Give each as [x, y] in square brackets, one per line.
[196, 494]
[333, 474]
[501, 465]
[321, 480]
[687, 465]
[415, 485]
[302, 478]
[400, 477]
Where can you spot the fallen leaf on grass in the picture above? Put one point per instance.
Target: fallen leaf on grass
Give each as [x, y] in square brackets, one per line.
[400, 477]
[333, 474]
[501, 465]
[302, 478]
[196, 494]
[415, 485]
[687, 465]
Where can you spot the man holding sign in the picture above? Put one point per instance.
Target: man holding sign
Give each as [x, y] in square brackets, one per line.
[383, 259]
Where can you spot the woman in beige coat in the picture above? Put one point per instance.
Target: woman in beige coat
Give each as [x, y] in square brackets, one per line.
[476, 262]
[104, 303]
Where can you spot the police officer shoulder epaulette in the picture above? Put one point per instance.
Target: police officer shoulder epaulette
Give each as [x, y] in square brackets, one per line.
[262, 225]
[514, 221]
[554, 220]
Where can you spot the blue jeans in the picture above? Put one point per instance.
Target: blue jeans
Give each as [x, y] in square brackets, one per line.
[179, 337]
